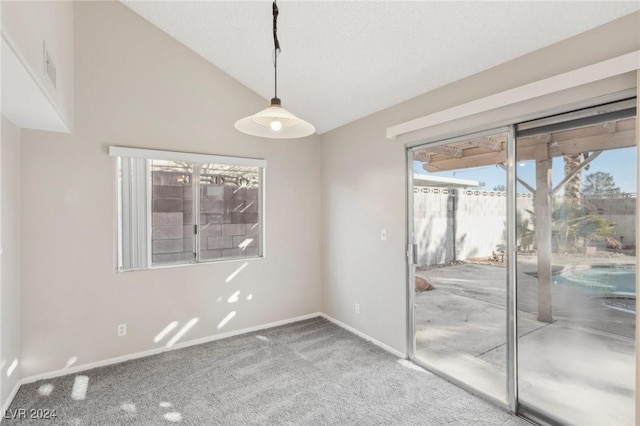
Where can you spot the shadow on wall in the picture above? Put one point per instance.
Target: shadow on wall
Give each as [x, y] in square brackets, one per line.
[438, 238]
[454, 225]
[431, 249]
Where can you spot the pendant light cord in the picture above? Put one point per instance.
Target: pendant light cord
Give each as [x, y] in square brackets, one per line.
[275, 122]
[276, 47]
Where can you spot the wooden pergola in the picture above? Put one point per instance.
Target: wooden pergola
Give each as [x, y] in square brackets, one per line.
[542, 148]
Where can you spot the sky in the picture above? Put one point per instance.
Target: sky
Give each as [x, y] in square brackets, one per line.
[619, 163]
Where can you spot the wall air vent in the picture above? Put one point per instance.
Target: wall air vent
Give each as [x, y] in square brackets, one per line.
[49, 67]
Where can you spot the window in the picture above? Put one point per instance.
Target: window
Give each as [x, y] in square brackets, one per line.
[179, 208]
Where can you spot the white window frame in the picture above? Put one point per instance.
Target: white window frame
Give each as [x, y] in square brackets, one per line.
[148, 155]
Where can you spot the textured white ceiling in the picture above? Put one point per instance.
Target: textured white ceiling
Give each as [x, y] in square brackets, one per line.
[343, 60]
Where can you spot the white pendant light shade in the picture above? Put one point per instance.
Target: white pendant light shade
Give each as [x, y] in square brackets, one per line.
[275, 122]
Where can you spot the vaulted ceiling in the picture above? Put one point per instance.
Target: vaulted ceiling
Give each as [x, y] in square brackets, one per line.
[343, 60]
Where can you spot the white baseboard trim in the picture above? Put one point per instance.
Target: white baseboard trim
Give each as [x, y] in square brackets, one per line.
[136, 355]
[365, 336]
[9, 400]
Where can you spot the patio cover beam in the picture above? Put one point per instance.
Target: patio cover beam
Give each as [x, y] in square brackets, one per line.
[480, 159]
[527, 146]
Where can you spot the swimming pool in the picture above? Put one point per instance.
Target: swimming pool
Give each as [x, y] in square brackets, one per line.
[600, 278]
[616, 285]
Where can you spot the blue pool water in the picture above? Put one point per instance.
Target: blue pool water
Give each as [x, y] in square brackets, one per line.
[616, 286]
[603, 279]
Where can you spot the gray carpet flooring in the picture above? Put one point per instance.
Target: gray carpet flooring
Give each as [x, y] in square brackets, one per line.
[306, 373]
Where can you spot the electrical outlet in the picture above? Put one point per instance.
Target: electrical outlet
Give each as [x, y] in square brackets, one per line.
[122, 330]
[383, 234]
[357, 308]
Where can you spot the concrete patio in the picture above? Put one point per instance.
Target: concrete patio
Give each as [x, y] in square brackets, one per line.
[585, 358]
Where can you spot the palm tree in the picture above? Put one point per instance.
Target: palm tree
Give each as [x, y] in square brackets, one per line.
[525, 230]
[572, 228]
[572, 192]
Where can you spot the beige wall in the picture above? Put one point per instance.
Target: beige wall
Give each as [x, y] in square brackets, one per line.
[364, 175]
[138, 87]
[26, 25]
[10, 265]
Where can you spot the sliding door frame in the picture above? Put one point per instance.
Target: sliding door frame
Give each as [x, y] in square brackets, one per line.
[510, 318]
[512, 291]
[511, 128]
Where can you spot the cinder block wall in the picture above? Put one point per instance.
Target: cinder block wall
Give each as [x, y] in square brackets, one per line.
[622, 212]
[479, 226]
[228, 220]
[480, 221]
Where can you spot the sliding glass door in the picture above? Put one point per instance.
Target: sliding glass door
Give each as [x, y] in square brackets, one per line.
[576, 262]
[522, 261]
[460, 272]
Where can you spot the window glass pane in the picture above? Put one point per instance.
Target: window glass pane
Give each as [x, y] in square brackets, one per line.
[174, 212]
[460, 232]
[172, 240]
[229, 211]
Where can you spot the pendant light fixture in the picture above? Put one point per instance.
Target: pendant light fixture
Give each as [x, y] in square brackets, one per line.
[274, 121]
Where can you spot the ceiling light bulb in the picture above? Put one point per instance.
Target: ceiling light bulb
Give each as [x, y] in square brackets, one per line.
[276, 125]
